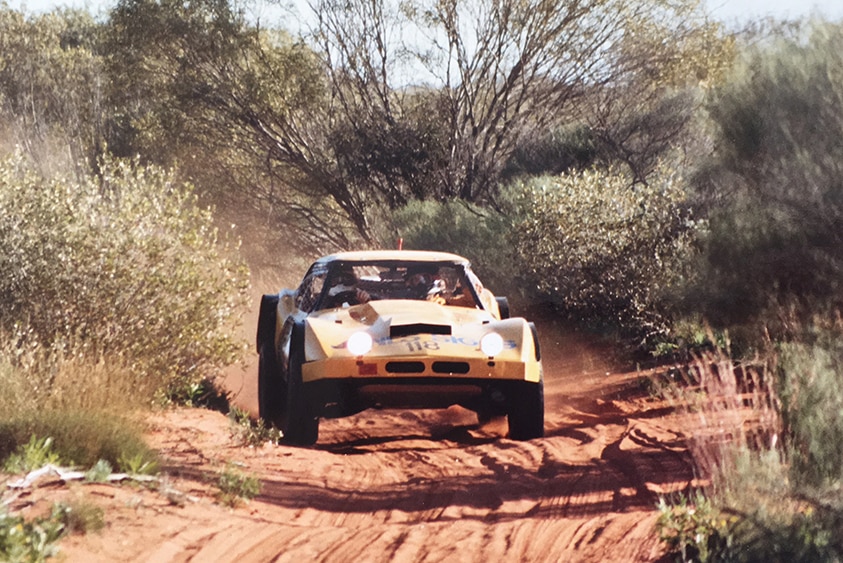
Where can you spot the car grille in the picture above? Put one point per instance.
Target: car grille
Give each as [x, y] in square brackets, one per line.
[436, 367]
[405, 367]
[450, 367]
[418, 328]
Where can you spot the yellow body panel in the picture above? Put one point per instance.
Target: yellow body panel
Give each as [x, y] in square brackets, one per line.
[326, 356]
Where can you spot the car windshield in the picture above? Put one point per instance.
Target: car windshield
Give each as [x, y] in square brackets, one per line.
[353, 283]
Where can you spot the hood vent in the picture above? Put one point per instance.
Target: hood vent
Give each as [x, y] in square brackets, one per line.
[418, 328]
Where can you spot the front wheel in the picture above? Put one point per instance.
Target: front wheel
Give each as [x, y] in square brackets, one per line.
[301, 426]
[526, 411]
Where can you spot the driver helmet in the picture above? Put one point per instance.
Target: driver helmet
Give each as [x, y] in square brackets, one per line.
[344, 280]
[421, 275]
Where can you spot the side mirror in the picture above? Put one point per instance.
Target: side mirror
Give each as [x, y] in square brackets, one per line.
[288, 301]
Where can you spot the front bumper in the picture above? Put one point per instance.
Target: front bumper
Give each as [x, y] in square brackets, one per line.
[392, 369]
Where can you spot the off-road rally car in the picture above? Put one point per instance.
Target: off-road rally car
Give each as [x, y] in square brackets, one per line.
[394, 329]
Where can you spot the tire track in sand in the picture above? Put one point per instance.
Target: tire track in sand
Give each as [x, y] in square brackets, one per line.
[418, 486]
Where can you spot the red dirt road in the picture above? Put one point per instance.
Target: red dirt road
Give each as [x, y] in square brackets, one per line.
[409, 486]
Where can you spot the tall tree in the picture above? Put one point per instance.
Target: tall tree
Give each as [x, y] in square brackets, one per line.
[493, 73]
[395, 101]
[51, 86]
[238, 106]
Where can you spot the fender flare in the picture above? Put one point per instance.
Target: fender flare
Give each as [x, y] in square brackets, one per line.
[535, 332]
[503, 307]
[267, 319]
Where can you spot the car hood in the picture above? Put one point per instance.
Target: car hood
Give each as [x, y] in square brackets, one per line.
[394, 323]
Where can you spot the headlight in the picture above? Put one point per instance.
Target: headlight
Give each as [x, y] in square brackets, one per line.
[491, 344]
[359, 343]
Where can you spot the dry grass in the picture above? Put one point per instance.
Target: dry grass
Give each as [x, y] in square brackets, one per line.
[41, 379]
[89, 408]
[736, 409]
[761, 506]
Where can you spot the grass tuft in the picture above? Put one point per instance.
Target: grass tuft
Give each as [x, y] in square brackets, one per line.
[235, 487]
[81, 517]
[78, 437]
[249, 432]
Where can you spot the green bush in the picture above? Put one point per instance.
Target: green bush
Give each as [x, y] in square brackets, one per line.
[811, 391]
[605, 250]
[125, 266]
[773, 186]
[30, 540]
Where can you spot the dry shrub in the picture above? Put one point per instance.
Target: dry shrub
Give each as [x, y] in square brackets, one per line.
[37, 377]
[736, 409]
[85, 406]
[125, 267]
[604, 249]
[766, 440]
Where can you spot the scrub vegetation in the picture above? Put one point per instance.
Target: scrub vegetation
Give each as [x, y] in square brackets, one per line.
[631, 167]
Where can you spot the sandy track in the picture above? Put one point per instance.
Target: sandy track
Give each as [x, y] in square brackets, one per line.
[411, 485]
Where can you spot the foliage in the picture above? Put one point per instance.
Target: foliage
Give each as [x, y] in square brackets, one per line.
[693, 527]
[235, 486]
[482, 235]
[811, 389]
[52, 85]
[775, 485]
[124, 267]
[249, 432]
[380, 105]
[773, 187]
[240, 107]
[604, 250]
[35, 454]
[78, 437]
[30, 541]
[555, 152]
[391, 102]
[649, 113]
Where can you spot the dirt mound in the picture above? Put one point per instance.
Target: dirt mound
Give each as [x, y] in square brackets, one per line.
[408, 485]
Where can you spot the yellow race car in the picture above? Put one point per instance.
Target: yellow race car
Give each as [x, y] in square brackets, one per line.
[394, 329]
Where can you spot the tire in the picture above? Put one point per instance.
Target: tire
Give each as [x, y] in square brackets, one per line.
[271, 396]
[300, 426]
[526, 411]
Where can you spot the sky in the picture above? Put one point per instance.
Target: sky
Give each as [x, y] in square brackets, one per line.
[729, 11]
